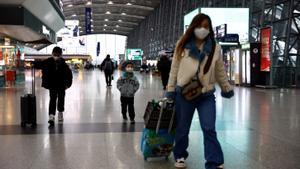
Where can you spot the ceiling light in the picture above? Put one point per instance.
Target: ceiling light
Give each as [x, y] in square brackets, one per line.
[108, 12]
[117, 26]
[79, 27]
[115, 30]
[110, 2]
[74, 15]
[123, 13]
[105, 25]
[106, 19]
[120, 20]
[128, 3]
[89, 3]
[92, 30]
[70, 5]
[81, 31]
[92, 26]
[92, 20]
[104, 29]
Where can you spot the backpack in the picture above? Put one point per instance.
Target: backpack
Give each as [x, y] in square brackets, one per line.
[108, 65]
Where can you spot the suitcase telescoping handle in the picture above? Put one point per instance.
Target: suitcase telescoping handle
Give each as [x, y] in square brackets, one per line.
[33, 81]
[164, 101]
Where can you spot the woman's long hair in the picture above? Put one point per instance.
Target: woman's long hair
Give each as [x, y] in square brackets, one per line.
[196, 22]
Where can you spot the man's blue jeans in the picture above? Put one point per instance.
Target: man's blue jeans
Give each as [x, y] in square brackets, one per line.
[206, 107]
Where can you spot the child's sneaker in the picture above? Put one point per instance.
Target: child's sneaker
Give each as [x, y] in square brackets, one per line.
[51, 120]
[60, 117]
[125, 118]
[180, 163]
[132, 122]
[220, 166]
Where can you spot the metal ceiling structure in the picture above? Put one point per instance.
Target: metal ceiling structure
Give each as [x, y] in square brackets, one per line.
[110, 16]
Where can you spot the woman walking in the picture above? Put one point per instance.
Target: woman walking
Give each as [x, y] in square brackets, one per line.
[197, 60]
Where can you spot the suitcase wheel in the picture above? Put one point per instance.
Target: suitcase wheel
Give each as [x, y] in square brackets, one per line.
[23, 124]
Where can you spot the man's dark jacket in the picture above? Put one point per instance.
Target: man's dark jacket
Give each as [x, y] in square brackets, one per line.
[56, 73]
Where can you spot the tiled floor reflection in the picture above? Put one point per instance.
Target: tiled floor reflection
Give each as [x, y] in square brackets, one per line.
[258, 129]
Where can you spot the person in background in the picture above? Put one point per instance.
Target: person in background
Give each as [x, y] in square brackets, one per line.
[144, 68]
[164, 66]
[197, 50]
[108, 67]
[128, 85]
[56, 77]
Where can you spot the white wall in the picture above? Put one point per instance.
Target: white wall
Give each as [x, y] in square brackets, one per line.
[109, 44]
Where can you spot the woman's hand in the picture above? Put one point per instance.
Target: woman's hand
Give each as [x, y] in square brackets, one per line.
[170, 95]
[227, 94]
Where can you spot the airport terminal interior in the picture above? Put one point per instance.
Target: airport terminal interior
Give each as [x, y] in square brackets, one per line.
[258, 127]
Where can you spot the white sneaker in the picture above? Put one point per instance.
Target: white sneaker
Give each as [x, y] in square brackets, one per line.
[51, 119]
[180, 163]
[60, 117]
[220, 166]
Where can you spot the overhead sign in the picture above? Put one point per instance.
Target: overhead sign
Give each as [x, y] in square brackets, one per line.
[134, 54]
[221, 31]
[265, 38]
[98, 48]
[230, 38]
[88, 22]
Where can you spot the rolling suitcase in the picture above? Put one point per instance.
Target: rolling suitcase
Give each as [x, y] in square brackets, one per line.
[159, 142]
[28, 105]
[152, 114]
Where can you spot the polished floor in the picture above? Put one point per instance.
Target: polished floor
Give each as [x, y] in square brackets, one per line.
[258, 129]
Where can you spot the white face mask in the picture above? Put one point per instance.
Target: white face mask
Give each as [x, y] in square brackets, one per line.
[129, 69]
[201, 33]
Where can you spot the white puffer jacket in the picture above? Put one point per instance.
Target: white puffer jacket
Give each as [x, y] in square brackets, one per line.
[183, 70]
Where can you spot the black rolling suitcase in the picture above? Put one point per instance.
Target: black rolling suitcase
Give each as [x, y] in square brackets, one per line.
[28, 106]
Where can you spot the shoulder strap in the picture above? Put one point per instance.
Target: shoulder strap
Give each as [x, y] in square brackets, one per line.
[209, 60]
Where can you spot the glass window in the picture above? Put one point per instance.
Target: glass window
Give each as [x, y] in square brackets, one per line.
[295, 26]
[254, 33]
[268, 15]
[256, 19]
[257, 5]
[280, 28]
[281, 11]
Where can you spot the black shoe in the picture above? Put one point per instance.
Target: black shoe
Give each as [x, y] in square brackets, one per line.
[51, 120]
[51, 123]
[132, 122]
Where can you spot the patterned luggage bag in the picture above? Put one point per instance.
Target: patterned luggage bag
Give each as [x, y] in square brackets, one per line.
[159, 142]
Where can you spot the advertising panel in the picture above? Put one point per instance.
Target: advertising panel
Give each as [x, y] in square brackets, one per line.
[88, 22]
[134, 54]
[236, 20]
[265, 38]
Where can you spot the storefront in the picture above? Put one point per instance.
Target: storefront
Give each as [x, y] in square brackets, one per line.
[246, 66]
[23, 23]
[11, 65]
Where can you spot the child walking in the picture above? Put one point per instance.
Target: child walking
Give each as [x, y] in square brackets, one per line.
[128, 85]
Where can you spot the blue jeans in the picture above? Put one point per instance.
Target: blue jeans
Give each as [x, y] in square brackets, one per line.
[206, 107]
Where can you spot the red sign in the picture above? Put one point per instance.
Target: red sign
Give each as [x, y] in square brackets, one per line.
[265, 38]
[1, 55]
